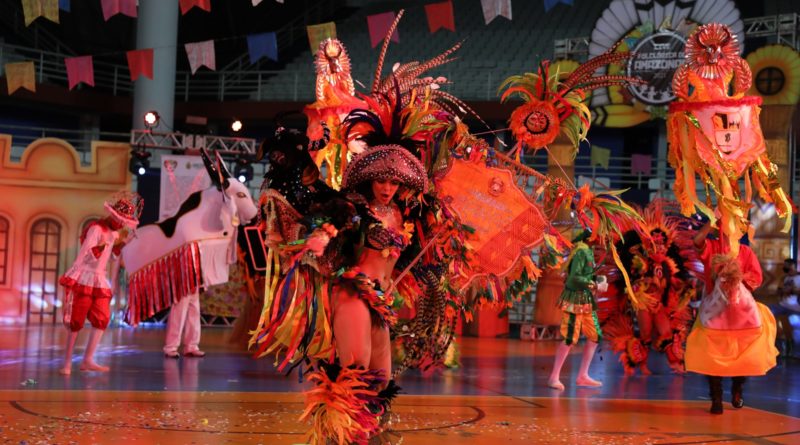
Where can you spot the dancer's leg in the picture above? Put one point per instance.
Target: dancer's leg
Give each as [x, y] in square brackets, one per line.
[381, 354]
[352, 329]
[67, 368]
[715, 391]
[91, 346]
[177, 317]
[583, 378]
[555, 375]
[191, 329]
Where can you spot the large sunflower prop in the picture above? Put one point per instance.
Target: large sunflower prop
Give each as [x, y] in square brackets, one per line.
[555, 102]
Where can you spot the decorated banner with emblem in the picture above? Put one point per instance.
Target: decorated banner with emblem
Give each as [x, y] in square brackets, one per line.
[506, 223]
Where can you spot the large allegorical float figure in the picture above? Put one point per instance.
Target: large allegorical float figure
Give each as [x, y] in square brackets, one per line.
[714, 132]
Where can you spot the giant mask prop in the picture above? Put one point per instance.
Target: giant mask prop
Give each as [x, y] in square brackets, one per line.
[714, 134]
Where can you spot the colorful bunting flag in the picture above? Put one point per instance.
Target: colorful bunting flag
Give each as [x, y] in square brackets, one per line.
[548, 4]
[379, 25]
[20, 75]
[79, 69]
[140, 62]
[440, 15]
[494, 8]
[201, 54]
[114, 7]
[600, 156]
[64, 5]
[641, 164]
[33, 9]
[256, 2]
[318, 33]
[262, 45]
[186, 5]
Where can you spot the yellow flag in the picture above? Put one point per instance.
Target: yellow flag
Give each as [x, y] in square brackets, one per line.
[20, 75]
[318, 33]
[33, 9]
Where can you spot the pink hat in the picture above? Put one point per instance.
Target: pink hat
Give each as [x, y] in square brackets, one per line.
[125, 207]
[386, 162]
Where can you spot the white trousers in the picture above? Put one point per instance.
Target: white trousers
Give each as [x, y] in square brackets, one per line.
[184, 319]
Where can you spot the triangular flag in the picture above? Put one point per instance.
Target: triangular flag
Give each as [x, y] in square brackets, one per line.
[140, 62]
[379, 25]
[256, 2]
[600, 156]
[494, 8]
[79, 69]
[201, 54]
[33, 9]
[262, 45]
[318, 33]
[114, 7]
[186, 5]
[641, 164]
[20, 75]
[548, 4]
[63, 5]
[440, 15]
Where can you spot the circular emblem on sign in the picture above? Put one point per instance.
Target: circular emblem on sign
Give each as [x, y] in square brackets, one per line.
[656, 57]
[496, 186]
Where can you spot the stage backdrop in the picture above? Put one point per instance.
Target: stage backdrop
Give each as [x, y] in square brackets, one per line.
[46, 199]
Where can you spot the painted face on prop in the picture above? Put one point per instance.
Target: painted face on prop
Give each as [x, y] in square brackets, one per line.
[714, 132]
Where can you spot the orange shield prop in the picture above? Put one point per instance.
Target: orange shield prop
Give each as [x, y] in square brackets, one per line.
[506, 222]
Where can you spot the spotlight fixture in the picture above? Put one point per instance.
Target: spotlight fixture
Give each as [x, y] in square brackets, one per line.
[140, 161]
[151, 119]
[236, 125]
[243, 170]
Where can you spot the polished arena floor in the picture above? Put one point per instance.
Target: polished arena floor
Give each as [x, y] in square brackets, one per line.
[498, 396]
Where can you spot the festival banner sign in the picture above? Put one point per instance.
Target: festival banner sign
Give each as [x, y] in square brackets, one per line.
[506, 223]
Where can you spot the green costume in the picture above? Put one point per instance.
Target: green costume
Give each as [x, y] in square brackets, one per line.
[577, 297]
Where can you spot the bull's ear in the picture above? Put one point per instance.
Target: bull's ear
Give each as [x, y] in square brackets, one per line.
[213, 173]
[224, 174]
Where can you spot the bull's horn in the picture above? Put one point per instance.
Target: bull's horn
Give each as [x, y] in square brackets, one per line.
[211, 169]
[224, 174]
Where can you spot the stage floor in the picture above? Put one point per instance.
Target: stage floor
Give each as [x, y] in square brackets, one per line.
[499, 395]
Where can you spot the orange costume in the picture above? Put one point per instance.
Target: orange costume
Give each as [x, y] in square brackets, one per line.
[733, 335]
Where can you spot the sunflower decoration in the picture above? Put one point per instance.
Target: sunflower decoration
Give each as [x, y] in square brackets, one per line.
[776, 74]
[555, 102]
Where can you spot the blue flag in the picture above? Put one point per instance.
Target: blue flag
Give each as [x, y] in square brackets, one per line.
[262, 45]
[63, 5]
[548, 4]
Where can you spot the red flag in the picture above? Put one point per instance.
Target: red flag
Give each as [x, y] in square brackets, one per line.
[79, 69]
[379, 25]
[114, 7]
[440, 15]
[186, 5]
[140, 62]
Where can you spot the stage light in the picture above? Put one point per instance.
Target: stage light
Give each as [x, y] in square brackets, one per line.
[243, 170]
[236, 125]
[151, 119]
[140, 161]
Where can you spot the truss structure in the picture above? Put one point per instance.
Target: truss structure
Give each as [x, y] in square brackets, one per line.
[785, 28]
[180, 141]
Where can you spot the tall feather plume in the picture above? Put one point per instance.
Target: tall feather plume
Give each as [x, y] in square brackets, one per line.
[382, 57]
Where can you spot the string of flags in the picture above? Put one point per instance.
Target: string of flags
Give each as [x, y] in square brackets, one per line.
[440, 15]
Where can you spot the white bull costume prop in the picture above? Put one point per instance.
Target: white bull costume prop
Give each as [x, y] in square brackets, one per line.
[170, 260]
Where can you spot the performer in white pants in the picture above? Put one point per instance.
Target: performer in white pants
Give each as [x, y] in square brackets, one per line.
[184, 321]
[183, 326]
